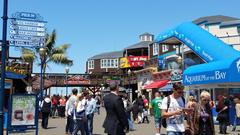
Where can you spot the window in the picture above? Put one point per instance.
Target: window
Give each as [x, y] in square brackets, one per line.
[112, 62]
[148, 38]
[238, 29]
[91, 64]
[155, 49]
[109, 63]
[175, 46]
[116, 63]
[164, 48]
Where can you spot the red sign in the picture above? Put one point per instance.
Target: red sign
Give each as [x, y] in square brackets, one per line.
[77, 80]
[137, 61]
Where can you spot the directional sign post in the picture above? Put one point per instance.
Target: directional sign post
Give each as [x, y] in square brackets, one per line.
[27, 29]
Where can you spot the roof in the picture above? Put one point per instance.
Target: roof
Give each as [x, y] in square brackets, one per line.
[115, 54]
[146, 33]
[214, 19]
[142, 44]
[230, 23]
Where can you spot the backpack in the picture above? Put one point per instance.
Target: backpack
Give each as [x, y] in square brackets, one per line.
[46, 107]
[164, 121]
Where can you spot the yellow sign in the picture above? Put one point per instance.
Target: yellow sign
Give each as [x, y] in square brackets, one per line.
[124, 62]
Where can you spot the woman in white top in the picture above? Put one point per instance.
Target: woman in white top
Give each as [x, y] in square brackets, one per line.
[80, 120]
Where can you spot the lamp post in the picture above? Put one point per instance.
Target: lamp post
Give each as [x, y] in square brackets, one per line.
[66, 71]
[129, 79]
[3, 61]
[42, 53]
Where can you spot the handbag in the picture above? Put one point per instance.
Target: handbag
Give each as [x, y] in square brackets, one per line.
[164, 122]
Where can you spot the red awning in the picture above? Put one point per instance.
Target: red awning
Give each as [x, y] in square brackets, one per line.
[156, 84]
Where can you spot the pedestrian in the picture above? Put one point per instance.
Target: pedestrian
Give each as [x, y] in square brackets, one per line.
[70, 105]
[237, 116]
[145, 115]
[91, 107]
[191, 128]
[173, 107]
[46, 109]
[98, 100]
[140, 109]
[223, 112]
[62, 104]
[145, 101]
[79, 116]
[155, 105]
[116, 122]
[128, 108]
[54, 106]
[202, 121]
[135, 111]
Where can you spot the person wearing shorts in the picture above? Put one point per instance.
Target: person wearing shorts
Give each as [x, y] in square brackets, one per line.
[155, 106]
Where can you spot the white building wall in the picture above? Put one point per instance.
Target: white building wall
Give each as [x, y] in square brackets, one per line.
[229, 35]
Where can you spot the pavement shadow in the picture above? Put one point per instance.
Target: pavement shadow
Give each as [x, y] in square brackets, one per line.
[51, 127]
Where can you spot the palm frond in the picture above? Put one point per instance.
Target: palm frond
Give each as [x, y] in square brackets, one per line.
[50, 41]
[60, 58]
[61, 49]
[28, 55]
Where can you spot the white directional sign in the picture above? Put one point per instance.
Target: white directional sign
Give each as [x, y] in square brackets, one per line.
[27, 29]
[27, 23]
[26, 43]
[22, 37]
[27, 33]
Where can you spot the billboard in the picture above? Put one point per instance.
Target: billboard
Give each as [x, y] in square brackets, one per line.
[23, 111]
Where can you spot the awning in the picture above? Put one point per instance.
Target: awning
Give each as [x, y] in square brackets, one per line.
[156, 84]
[222, 71]
[168, 87]
[12, 75]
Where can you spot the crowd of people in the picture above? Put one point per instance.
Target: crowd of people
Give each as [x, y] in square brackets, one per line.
[79, 109]
[179, 117]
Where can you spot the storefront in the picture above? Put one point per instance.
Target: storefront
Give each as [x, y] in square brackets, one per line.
[219, 78]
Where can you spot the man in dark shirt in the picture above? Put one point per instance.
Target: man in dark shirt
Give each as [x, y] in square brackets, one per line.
[116, 122]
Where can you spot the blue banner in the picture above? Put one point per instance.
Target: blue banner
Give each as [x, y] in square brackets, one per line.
[225, 71]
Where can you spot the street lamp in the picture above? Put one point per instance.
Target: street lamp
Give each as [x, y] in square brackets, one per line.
[66, 71]
[42, 53]
[129, 79]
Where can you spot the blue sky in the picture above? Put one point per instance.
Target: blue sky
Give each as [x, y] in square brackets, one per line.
[96, 26]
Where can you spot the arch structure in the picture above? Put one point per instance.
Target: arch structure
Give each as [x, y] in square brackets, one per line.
[222, 61]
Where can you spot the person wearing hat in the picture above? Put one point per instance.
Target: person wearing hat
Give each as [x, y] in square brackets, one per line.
[116, 121]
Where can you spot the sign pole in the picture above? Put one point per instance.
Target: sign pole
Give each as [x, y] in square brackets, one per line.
[3, 60]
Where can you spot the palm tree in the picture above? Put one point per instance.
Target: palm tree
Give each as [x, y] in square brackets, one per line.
[51, 53]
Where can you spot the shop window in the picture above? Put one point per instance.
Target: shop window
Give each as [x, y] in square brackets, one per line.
[165, 48]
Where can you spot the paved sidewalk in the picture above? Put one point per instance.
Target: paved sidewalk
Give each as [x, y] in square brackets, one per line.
[57, 127]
